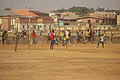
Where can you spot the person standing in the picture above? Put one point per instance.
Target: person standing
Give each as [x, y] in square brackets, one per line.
[77, 37]
[101, 40]
[4, 36]
[52, 36]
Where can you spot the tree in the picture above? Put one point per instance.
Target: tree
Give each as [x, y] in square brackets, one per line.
[84, 11]
[59, 10]
[100, 9]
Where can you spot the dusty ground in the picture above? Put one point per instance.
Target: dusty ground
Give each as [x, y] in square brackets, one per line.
[82, 62]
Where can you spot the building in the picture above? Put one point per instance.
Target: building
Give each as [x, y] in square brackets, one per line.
[104, 14]
[5, 19]
[24, 19]
[44, 21]
[6, 22]
[90, 22]
[118, 20]
[61, 18]
[70, 15]
[101, 21]
[56, 17]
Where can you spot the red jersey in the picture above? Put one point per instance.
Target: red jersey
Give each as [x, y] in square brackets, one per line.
[33, 35]
[52, 36]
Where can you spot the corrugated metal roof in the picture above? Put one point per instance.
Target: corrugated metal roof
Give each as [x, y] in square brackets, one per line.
[39, 13]
[6, 13]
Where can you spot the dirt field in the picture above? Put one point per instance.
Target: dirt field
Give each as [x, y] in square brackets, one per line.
[82, 62]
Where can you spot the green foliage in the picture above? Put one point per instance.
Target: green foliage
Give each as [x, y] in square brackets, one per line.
[118, 12]
[83, 11]
[59, 10]
[100, 9]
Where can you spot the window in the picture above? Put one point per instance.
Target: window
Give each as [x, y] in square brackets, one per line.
[23, 26]
[49, 26]
[27, 26]
[40, 26]
[45, 26]
[97, 21]
[67, 14]
[34, 26]
[88, 21]
[110, 15]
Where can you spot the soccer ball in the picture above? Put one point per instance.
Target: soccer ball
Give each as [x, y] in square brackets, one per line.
[73, 45]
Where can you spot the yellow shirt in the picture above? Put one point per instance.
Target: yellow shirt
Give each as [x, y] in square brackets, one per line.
[87, 33]
[61, 34]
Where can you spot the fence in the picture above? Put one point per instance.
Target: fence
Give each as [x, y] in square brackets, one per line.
[44, 40]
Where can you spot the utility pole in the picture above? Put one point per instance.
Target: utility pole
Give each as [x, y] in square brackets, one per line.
[11, 18]
[16, 38]
[28, 29]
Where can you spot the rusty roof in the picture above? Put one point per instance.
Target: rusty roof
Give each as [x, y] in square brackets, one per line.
[25, 13]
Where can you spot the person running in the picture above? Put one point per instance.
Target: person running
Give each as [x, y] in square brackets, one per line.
[62, 34]
[101, 40]
[87, 34]
[33, 36]
[77, 37]
[52, 36]
[67, 37]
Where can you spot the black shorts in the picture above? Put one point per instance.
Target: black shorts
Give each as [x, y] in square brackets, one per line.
[52, 42]
[101, 42]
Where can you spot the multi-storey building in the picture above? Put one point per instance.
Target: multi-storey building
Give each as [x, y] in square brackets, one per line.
[104, 14]
[24, 19]
[96, 19]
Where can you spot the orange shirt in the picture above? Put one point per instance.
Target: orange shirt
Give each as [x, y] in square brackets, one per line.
[33, 35]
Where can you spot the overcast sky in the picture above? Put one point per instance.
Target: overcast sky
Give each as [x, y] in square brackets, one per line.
[48, 5]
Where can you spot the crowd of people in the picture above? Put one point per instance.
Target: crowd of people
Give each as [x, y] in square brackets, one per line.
[90, 35]
[87, 37]
[64, 37]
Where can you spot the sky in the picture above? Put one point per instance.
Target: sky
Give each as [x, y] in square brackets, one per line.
[48, 5]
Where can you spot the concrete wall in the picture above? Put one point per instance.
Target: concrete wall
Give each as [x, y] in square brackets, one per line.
[118, 20]
[5, 22]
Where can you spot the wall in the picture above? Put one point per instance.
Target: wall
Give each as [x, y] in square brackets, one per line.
[5, 23]
[118, 20]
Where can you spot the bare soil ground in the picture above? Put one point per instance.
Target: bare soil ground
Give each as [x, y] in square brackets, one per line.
[82, 62]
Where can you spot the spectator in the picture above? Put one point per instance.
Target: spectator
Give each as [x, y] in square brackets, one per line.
[4, 36]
